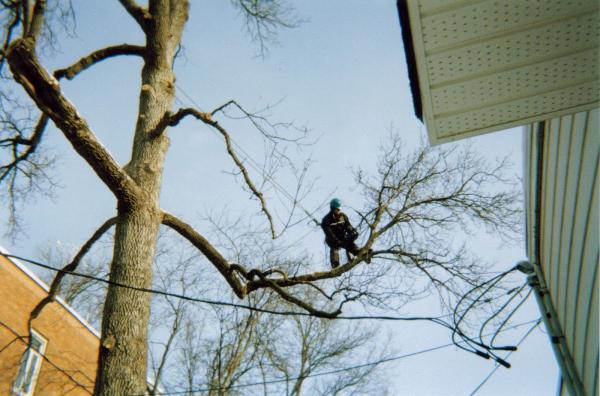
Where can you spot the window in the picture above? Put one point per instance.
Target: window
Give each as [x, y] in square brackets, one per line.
[30, 366]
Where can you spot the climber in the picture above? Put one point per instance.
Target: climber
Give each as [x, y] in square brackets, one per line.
[339, 233]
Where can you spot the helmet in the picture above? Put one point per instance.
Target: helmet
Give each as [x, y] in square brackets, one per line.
[335, 203]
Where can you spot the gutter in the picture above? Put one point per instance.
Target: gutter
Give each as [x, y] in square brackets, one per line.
[537, 281]
[411, 60]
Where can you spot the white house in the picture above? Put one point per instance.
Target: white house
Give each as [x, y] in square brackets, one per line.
[479, 66]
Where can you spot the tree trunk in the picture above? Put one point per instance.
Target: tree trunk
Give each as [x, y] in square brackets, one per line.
[122, 366]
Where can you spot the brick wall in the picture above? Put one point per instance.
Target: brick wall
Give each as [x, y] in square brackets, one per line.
[71, 352]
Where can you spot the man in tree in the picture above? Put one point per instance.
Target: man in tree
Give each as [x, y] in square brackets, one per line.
[339, 233]
[411, 204]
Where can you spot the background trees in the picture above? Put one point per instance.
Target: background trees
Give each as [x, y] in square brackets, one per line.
[219, 350]
[354, 282]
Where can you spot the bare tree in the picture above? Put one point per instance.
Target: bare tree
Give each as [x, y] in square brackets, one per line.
[283, 352]
[85, 295]
[411, 203]
[169, 315]
[305, 346]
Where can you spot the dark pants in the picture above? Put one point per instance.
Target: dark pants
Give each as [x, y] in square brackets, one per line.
[334, 253]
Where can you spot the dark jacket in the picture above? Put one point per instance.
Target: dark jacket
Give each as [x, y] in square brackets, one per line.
[338, 232]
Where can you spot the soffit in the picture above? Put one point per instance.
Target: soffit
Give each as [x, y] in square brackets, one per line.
[489, 65]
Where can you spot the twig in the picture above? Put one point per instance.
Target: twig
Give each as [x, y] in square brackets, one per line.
[207, 119]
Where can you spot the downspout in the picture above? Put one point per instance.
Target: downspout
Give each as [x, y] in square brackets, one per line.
[536, 280]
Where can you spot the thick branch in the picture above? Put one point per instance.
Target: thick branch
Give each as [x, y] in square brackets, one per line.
[138, 13]
[37, 20]
[228, 270]
[54, 287]
[189, 233]
[306, 278]
[207, 119]
[97, 56]
[45, 91]
[296, 301]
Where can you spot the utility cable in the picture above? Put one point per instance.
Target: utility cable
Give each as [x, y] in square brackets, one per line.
[323, 373]
[220, 303]
[515, 292]
[509, 316]
[436, 320]
[537, 323]
[470, 342]
[65, 372]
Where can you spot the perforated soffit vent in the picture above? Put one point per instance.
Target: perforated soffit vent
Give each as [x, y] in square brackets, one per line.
[483, 66]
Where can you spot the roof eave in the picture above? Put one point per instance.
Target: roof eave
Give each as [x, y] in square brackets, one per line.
[411, 61]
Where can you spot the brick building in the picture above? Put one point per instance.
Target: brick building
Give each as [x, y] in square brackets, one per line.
[64, 348]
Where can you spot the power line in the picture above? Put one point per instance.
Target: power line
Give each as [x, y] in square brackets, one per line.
[537, 323]
[21, 338]
[472, 345]
[436, 320]
[220, 303]
[374, 363]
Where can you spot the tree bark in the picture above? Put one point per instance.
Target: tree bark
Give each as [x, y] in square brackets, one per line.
[123, 351]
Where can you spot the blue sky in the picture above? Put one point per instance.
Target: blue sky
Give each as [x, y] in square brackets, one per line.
[341, 73]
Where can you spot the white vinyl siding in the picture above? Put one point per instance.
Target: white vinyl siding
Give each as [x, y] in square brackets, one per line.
[569, 229]
[488, 65]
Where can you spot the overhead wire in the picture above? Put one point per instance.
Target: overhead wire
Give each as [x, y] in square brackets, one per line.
[336, 371]
[437, 320]
[216, 302]
[509, 316]
[434, 319]
[515, 293]
[488, 349]
[486, 379]
[472, 345]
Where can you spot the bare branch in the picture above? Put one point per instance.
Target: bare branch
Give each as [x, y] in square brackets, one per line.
[269, 129]
[228, 270]
[55, 286]
[138, 13]
[263, 18]
[98, 56]
[306, 278]
[26, 163]
[207, 119]
[202, 244]
[296, 301]
[32, 142]
[12, 25]
[45, 91]
[37, 20]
